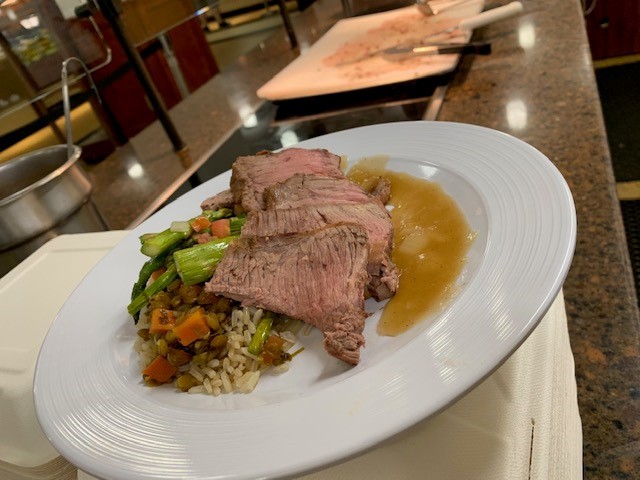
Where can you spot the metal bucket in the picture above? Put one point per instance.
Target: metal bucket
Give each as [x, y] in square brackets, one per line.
[43, 194]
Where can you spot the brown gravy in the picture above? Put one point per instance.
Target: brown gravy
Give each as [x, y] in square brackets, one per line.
[431, 240]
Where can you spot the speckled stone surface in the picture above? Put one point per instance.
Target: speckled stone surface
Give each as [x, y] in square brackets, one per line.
[537, 85]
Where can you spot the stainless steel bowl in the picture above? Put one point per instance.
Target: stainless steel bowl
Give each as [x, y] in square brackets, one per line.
[39, 191]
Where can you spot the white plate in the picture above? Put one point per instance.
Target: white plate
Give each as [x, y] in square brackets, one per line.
[308, 75]
[95, 410]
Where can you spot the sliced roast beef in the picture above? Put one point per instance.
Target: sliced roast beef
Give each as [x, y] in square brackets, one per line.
[371, 216]
[252, 174]
[223, 199]
[318, 277]
[382, 190]
[302, 190]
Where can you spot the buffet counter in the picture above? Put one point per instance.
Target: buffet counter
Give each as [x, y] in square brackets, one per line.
[537, 85]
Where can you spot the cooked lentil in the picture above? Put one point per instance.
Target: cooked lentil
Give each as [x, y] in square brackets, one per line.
[219, 362]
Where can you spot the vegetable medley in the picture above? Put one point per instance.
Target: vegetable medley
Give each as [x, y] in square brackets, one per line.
[192, 338]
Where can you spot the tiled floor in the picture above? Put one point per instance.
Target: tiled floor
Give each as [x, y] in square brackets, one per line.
[619, 94]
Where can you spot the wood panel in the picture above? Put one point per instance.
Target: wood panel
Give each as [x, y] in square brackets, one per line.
[193, 53]
[144, 19]
[123, 96]
[614, 28]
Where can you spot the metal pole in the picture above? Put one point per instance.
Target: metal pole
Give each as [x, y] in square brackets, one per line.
[112, 16]
[346, 6]
[174, 66]
[287, 24]
[435, 103]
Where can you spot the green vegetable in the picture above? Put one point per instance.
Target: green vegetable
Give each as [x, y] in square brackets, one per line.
[262, 334]
[162, 242]
[147, 269]
[217, 214]
[146, 236]
[197, 264]
[181, 226]
[291, 355]
[157, 244]
[160, 284]
[236, 224]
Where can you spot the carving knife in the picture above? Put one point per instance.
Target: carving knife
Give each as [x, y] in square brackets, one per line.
[397, 54]
[475, 21]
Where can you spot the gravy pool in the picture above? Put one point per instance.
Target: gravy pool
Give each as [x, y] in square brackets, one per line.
[431, 240]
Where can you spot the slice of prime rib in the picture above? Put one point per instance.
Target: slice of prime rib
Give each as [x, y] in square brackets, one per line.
[302, 190]
[223, 199]
[318, 277]
[251, 174]
[307, 189]
[375, 219]
[382, 190]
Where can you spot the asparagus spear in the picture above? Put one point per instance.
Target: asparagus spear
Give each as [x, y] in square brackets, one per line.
[196, 264]
[217, 214]
[157, 244]
[162, 242]
[160, 284]
[147, 269]
[262, 333]
[236, 224]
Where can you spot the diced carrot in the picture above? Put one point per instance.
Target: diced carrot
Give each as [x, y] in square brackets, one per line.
[162, 320]
[272, 349]
[156, 273]
[192, 328]
[274, 344]
[160, 370]
[221, 228]
[200, 223]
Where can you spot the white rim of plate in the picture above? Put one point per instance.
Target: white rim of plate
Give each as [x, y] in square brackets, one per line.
[110, 426]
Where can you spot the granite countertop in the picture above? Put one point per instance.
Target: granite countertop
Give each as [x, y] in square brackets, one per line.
[537, 85]
[540, 87]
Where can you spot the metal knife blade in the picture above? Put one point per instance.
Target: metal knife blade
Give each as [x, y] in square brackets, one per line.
[399, 53]
[475, 21]
[402, 53]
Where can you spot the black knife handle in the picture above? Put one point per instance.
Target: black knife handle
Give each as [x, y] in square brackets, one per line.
[475, 48]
